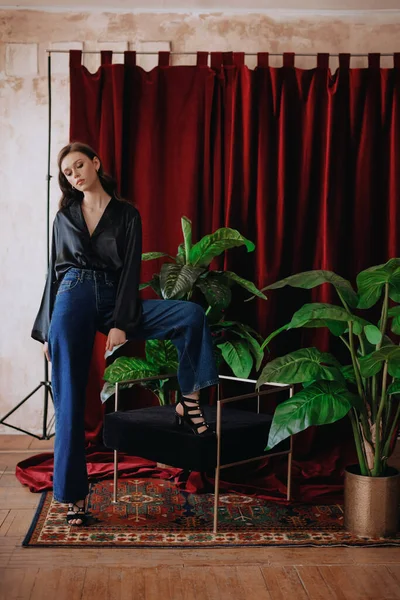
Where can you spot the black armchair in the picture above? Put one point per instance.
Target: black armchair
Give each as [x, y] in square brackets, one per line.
[240, 436]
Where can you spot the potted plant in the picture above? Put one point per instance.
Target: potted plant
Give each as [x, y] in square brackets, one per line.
[188, 276]
[366, 389]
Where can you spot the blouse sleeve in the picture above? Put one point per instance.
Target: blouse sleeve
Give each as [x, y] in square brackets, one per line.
[127, 310]
[41, 325]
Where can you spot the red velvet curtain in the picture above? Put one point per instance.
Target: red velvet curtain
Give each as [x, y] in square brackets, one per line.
[305, 163]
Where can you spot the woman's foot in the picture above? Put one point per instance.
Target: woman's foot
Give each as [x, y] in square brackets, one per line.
[76, 514]
[188, 411]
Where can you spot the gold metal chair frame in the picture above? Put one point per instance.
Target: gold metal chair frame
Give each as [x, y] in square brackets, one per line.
[220, 402]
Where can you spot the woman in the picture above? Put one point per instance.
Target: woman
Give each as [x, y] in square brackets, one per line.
[93, 285]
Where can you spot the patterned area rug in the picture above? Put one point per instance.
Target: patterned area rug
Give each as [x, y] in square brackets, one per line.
[154, 513]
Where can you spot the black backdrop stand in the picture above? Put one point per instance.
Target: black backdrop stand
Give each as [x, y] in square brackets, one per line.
[45, 384]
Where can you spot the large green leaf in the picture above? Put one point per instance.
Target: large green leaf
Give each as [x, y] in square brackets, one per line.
[372, 364]
[394, 312]
[348, 373]
[307, 364]
[255, 347]
[371, 282]
[154, 255]
[373, 334]
[178, 280]
[160, 388]
[310, 279]
[187, 236]
[253, 332]
[337, 328]
[163, 355]
[180, 258]
[394, 287]
[108, 390]
[215, 291]
[237, 355]
[321, 403]
[125, 368]
[214, 244]
[317, 311]
[154, 283]
[248, 285]
[394, 387]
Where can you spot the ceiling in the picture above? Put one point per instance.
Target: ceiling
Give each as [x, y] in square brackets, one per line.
[207, 6]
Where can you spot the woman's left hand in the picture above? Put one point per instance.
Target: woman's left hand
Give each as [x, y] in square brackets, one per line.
[115, 338]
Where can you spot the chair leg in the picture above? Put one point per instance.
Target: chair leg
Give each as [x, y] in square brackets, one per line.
[216, 499]
[218, 464]
[115, 494]
[289, 476]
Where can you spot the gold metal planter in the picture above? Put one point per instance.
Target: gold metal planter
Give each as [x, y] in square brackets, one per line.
[371, 504]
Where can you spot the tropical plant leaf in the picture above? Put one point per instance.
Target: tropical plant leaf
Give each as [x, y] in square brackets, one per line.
[306, 384]
[392, 264]
[373, 334]
[394, 286]
[215, 291]
[237, 355]
[302, 365]
[108, 390]
[337, 328]
[187, 236]
[371, 282]
[317, 311]
[154, 255]
[372, 364]
[178, 280]
[310, 279]
[160, 388]
[394, 312]
[348, 373]
[321, 403]
[163, 355]
[394, 387]
[124, 368]
[180, 258]
[255, 347]
[253, 332]
[214, 244]
[154, 283]
[248, 285]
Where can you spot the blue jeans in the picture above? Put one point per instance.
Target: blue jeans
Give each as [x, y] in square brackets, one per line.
[84, 304]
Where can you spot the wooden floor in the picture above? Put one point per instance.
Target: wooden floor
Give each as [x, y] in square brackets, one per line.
[174, 574]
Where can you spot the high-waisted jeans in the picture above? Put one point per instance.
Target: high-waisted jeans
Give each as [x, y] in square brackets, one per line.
[84, 304]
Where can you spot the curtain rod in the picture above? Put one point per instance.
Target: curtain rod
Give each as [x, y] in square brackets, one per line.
[195, 53]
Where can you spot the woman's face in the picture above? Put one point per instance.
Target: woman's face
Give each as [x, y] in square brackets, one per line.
[80, 170]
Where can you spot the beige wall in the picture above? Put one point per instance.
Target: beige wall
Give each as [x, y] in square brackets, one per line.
[24, 37]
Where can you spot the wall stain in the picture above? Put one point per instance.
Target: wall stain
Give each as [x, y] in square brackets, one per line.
[40, 90]
[15, 83]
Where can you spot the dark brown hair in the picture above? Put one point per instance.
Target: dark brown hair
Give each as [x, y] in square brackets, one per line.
[69, 194]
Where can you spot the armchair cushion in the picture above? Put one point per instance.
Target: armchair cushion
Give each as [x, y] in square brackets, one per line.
[151, 433]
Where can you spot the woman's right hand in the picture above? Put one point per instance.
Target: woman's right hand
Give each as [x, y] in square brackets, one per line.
[46, 351]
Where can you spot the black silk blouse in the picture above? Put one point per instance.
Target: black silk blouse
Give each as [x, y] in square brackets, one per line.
[115, 246]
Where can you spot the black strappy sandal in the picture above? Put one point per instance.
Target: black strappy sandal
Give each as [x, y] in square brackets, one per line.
[190, 413]
[76, 512]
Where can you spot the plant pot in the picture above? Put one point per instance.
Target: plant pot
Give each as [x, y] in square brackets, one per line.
[371, 504]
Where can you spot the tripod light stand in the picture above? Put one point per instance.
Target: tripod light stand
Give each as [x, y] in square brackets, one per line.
[45, 384]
